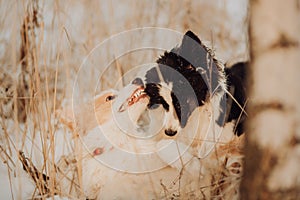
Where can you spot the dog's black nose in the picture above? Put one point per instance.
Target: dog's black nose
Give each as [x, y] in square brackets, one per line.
[170, 132]
[137, 81]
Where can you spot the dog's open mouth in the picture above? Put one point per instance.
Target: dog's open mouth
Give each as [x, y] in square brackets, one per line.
[134, 98]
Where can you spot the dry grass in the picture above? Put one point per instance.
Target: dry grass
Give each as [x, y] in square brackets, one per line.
[42, 45]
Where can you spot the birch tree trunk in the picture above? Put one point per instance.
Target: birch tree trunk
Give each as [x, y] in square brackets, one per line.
[272, 160]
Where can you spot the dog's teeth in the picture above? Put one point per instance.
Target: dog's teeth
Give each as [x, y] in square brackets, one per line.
[138, 93]
[135, 96]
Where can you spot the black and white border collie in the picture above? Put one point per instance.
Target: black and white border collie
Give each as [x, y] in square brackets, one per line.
[184, 79]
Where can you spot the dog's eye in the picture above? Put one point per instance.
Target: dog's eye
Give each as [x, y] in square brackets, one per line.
[110, 97]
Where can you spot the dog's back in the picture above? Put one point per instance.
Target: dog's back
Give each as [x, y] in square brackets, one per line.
[236, 83]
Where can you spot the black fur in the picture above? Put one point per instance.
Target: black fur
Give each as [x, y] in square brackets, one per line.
[152, 90]
[185, 67]
[236, 82]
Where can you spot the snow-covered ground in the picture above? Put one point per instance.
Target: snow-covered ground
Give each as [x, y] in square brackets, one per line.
[15, 183]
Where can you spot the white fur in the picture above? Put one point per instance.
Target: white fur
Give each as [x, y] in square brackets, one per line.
[171, 119]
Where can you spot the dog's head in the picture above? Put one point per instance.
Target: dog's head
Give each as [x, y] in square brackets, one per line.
[86, 116]
[131, 113]
[184, 78]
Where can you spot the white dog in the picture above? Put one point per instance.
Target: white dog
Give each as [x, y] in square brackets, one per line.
[120, 153]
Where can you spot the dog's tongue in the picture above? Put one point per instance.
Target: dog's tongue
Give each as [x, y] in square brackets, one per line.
[135, 97]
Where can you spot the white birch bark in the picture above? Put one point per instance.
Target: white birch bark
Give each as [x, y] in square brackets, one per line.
[272, 162]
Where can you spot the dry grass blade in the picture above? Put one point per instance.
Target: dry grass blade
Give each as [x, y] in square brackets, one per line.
[40, 179]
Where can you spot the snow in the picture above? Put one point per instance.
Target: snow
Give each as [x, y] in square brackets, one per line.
[15, 182]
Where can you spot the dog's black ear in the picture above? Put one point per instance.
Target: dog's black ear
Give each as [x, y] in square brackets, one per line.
[190, 43]
[191, 49]
[191, 35]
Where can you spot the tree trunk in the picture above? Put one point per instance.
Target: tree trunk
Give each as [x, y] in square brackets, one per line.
[272, 160]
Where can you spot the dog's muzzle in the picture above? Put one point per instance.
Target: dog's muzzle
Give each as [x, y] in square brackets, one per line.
[136, 95]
